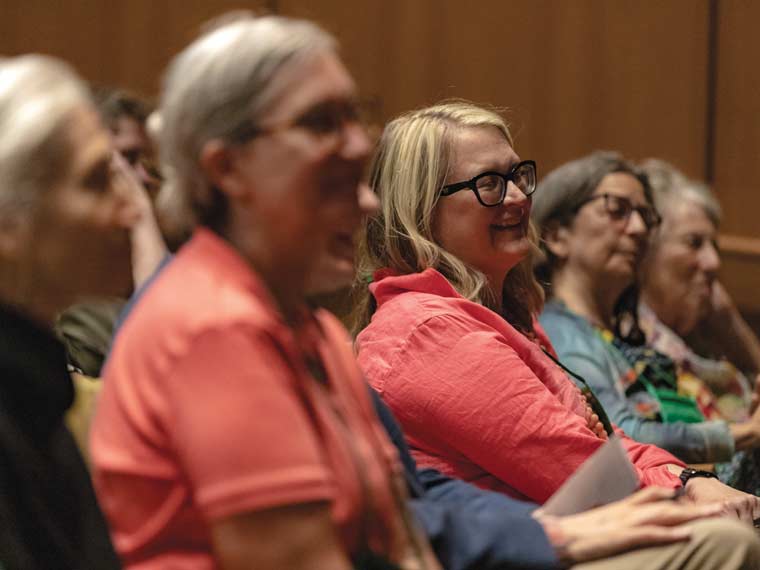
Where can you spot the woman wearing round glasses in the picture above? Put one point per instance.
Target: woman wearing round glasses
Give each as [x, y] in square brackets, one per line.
[596, 215]
[452, 345]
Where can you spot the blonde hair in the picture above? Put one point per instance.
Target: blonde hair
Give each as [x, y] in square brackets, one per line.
[407, 172]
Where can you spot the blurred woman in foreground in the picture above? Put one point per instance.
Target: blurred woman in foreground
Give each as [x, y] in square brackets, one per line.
[65, 215]
[234, 429]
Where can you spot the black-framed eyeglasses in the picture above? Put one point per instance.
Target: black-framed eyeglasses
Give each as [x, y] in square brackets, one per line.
[620, 208]
[323, 120]
[490, 188]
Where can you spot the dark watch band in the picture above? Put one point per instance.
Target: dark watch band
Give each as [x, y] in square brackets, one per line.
[689, 473]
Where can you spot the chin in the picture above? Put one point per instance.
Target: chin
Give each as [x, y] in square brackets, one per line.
[514, 249]
[338, 274]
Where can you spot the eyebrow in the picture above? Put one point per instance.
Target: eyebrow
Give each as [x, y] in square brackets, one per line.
[481, 169]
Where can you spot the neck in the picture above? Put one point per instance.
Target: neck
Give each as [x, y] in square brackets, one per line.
[496, 287]
[663, 312]
[286, 285]
[26, 296]
[593, 299]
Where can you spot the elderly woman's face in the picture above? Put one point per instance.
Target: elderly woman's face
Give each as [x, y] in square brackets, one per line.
[602, 244]
[494, 239]
[305, 172]
[76, 242]
[682, 266]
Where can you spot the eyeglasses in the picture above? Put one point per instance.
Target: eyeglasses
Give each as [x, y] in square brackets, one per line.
[491, 187]
[620, 209]
[325, 120]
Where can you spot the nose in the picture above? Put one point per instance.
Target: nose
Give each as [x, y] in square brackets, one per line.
[709, 258]
[368, 202]
[514, 196]
[355, 143]
[636, 225]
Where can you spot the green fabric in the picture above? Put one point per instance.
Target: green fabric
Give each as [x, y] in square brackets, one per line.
[86, 329]
[676, 408]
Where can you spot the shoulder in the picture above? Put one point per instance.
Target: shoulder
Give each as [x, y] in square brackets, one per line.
[415, 320]
[568, 332]
[186, 301]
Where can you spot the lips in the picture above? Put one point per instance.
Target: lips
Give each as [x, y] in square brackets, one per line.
[507, 226]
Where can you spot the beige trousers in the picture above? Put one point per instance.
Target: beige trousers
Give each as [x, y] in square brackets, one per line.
[717, 544]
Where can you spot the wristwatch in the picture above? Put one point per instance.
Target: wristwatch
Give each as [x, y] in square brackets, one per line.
[689, 473]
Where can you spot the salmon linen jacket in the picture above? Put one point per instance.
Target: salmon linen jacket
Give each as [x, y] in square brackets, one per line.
[477, 399]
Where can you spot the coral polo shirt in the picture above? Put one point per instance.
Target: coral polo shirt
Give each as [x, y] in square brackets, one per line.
[208, 411]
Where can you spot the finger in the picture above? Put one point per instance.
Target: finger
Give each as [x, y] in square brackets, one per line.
[649, 495]
[649, 535]
[669, 513]
[734, 508]
[747, 509]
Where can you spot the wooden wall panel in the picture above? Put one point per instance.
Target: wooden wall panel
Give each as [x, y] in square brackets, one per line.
[580, 75]
[737, 147]
[110, 42]
[623, 74]
[737, 116]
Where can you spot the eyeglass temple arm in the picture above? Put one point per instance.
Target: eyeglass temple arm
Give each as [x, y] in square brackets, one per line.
[452, 188]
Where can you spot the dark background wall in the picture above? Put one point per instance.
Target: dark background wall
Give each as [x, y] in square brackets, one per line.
[676, 79]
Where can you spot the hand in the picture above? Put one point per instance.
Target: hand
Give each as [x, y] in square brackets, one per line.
[646, 518]
[722, 307]
[593, 422]
[733, 503]
[747, 434]
[148, 247]
[755, 398]
[125, 177]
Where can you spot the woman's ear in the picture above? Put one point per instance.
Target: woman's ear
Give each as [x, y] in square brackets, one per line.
[555, 236]
[220, 162]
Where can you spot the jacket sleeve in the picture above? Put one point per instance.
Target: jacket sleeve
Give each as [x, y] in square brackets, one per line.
[466, 394]
[468, 527]
[705, 442]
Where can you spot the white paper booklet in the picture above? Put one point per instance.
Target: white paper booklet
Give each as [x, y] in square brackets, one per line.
[606, 476]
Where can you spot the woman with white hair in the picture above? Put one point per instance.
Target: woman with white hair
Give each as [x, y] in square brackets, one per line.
[64, 234]
[681, 297]
[234, 429]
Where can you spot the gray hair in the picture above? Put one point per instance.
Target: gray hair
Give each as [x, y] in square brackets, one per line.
[226, 79]
[37, 97]
[670, 185]
[564, 189]
[557, 200]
